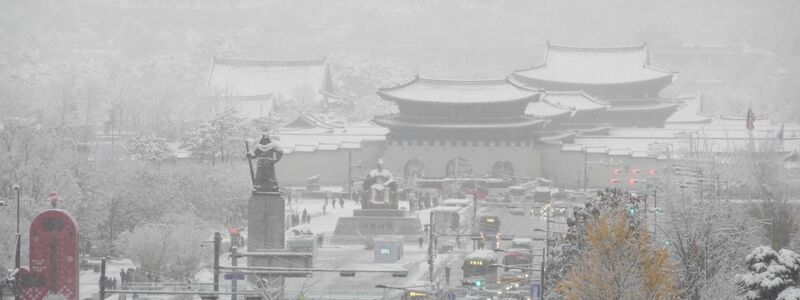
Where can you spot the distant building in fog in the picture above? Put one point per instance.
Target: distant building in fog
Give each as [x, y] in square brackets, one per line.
[578, 119]
[620, 77]
[253, 87]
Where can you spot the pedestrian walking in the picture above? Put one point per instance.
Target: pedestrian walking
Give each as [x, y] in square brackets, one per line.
[308, 219]
[420, 240]
[326, 199]
[320, 238]
[305, 213]
[324, 208]
[122, 276]
[341, 202]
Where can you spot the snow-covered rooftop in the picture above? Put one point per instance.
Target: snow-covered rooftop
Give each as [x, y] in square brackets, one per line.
[250, 78]
[482, 254]
[458, 91]
[594, 65]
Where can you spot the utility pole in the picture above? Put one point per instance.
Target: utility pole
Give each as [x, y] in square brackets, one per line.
[17, 253]
[474, 217]
[430, 247]
[542, 276]
[234, 263]
[217, 246]
[350, 174]
[546, 247]
[103, 279]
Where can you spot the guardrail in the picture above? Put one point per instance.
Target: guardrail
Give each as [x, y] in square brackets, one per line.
[341, 295]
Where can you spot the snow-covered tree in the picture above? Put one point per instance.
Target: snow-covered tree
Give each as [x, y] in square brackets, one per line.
[221, 136]
[769, 273]
[708, 238]
[148, 147]
[609, 249]
[620, 263]
[170, 248]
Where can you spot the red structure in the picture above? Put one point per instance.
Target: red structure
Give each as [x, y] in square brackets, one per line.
[53, 257]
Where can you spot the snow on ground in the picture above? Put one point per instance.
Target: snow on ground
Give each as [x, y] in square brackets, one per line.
[89, 279]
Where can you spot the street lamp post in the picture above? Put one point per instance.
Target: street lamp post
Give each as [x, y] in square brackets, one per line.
[17, 254]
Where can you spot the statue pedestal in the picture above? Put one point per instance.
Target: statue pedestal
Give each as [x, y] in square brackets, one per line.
[265, 221]
[265, 226]
[369, 223]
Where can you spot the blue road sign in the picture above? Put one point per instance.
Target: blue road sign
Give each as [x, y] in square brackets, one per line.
[451, 295]
[234, 276]
[536, 290]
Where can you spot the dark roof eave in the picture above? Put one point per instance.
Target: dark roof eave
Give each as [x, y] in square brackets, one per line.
[662, 106]
[534, 81]
[533, 123]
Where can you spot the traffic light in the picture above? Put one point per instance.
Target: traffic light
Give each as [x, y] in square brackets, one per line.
[478, 282]
[636, 171]
[633, 181]
[617, 171]
[632, 210]
[613, 181]
[652, 171]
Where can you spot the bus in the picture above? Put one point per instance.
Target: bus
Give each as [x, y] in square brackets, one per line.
[479, 268]
[517, 194]
[541, 194]
[415, 294]
[489, 227]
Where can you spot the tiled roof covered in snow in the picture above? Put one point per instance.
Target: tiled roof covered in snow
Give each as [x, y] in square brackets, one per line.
[249, 78]
[594, 65]
[349, 137]
[554, 104]
[458, 91]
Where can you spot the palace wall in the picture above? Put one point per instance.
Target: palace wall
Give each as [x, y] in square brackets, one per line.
[553, 161]
[525, 159]
[332, 165]
[566, 167]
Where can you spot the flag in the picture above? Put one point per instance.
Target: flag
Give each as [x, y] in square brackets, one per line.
[751, 119]
[780, 133]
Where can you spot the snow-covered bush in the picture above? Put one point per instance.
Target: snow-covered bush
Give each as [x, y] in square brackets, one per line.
[770, 273]
[148, 147]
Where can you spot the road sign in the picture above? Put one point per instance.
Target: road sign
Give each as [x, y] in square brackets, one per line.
[234, 276]
[451, 295]
[536, 290]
